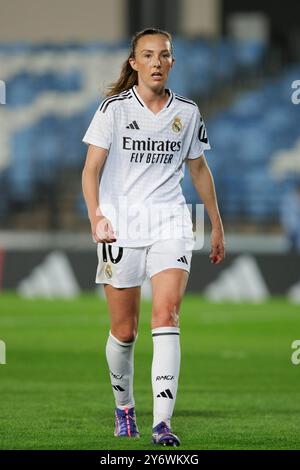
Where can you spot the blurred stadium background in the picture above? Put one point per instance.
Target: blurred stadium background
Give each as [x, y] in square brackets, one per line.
[240, 61]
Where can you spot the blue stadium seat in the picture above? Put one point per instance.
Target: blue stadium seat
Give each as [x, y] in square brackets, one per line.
[224, 60]
[20, 174]
[48, 148]
[250, 53]
[73, 149]
[200, 66]
[20, 90]
[80, 206]
[249, 106]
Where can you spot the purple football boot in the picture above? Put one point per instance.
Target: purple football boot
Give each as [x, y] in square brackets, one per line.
[162, 435]
[126, 423]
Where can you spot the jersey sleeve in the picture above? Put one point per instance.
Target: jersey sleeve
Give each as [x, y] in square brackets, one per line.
[100, 130]
[200, 140]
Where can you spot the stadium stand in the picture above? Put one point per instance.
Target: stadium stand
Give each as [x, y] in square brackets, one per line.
[53, 91]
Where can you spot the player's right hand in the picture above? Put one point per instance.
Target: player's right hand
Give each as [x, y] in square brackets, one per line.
[102, 230]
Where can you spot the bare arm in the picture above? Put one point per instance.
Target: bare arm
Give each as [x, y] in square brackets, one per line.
[102, 230]
[204, 184]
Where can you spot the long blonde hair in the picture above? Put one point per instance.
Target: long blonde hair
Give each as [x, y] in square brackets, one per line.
[128, 76]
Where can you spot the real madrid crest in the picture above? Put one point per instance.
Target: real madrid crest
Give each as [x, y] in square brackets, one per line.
[177, 125]
[108, 271]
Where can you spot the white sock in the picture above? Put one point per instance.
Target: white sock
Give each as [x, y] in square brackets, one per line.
[165, 372]
[119, 357]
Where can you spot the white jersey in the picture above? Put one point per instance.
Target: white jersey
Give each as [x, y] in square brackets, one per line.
[140, 189]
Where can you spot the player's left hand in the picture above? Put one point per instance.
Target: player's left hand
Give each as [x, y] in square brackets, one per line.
[217, 253]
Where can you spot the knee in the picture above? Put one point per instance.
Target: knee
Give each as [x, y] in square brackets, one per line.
[125, 335]
[167, 314]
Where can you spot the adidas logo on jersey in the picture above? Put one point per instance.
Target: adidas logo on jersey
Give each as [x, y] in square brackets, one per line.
[165, 394]
[133, 125]
[183, 260]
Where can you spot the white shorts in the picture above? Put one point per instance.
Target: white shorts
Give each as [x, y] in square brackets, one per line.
[128, 267]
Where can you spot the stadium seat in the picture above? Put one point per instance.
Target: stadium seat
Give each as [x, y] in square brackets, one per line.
[249, 53]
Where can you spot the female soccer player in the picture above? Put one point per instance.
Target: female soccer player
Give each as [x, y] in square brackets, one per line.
[139, 141]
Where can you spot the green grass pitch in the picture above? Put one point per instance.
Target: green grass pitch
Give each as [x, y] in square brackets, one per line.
[238, 387]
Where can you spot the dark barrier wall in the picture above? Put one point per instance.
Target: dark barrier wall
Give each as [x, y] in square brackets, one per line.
[280, 272]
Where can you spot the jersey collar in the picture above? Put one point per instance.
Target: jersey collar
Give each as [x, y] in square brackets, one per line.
[143, 105]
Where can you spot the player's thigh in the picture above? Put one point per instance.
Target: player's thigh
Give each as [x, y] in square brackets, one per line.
[122, 271]
[124, 310]
[168, 288]
[168, 265]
